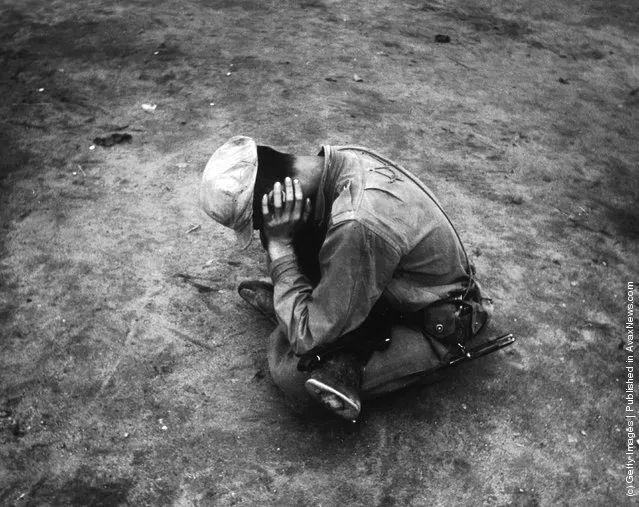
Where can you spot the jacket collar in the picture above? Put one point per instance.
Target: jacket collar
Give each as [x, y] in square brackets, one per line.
[327, 182]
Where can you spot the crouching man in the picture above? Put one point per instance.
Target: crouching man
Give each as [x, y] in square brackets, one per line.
[371, 285]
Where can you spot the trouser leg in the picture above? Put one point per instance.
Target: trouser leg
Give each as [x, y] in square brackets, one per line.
[282, 363]
[407, 360]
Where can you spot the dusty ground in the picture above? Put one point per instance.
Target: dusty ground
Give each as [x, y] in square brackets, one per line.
[124, 382]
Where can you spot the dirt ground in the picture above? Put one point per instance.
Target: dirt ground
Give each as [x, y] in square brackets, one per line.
[130, 371]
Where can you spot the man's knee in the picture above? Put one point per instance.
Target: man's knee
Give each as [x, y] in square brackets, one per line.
[405, 362]
[283, 367]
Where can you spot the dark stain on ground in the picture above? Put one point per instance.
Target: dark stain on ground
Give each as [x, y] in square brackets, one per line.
[624, 180]
[625, 15]
[14, 22]
[81, 491]
[75, 38]
[12, 157]
[486, 22]
[482, 20]
[247, 5]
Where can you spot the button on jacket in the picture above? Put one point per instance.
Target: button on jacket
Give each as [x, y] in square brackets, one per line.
[385, 237]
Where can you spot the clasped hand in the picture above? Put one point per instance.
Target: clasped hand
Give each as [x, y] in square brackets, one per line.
[283, 212]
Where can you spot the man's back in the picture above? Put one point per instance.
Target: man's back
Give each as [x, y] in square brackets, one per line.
[388, 201]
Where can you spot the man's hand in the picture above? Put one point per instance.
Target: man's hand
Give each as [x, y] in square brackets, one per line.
[288, 212]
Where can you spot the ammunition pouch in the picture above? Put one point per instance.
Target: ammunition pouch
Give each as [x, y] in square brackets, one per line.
[455, 321]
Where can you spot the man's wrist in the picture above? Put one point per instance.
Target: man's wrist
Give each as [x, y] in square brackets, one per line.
[277, 250]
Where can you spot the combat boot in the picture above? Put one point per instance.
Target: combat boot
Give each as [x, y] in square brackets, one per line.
[259, 295]
[336, 385]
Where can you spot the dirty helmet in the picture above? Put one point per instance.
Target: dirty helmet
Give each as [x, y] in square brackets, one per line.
[226, 191]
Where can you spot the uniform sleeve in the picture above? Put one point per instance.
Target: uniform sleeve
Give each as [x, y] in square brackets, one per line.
[356, 265]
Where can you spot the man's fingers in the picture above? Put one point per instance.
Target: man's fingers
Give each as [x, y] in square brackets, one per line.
[299, 199]
[277, 196]
[265, 211]
[288, 193]
[299, 195]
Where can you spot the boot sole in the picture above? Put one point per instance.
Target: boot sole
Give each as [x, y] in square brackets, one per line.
[352, 407]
